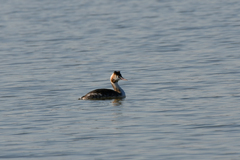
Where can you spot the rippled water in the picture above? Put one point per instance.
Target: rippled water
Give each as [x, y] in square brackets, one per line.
[181, 59]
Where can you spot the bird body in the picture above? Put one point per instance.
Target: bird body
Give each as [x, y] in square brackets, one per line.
[118, 92]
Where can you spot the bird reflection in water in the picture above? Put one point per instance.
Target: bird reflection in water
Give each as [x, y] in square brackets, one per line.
[117, 101]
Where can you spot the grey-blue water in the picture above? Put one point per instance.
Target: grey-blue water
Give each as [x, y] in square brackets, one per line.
[181, 59]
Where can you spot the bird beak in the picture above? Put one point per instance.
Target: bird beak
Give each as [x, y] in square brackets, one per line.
[123, 79]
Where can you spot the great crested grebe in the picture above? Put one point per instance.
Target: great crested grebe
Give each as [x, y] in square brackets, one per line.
[118, 92]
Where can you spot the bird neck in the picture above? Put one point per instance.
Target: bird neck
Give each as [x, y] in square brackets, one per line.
[117, 88]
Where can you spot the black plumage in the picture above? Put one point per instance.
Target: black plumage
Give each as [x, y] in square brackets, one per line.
[101, 94]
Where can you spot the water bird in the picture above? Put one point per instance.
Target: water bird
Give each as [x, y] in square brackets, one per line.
[118, 92]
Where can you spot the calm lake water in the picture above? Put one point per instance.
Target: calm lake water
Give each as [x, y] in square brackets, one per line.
[181, 59]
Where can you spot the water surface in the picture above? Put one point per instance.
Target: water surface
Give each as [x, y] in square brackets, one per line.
[181, 59]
